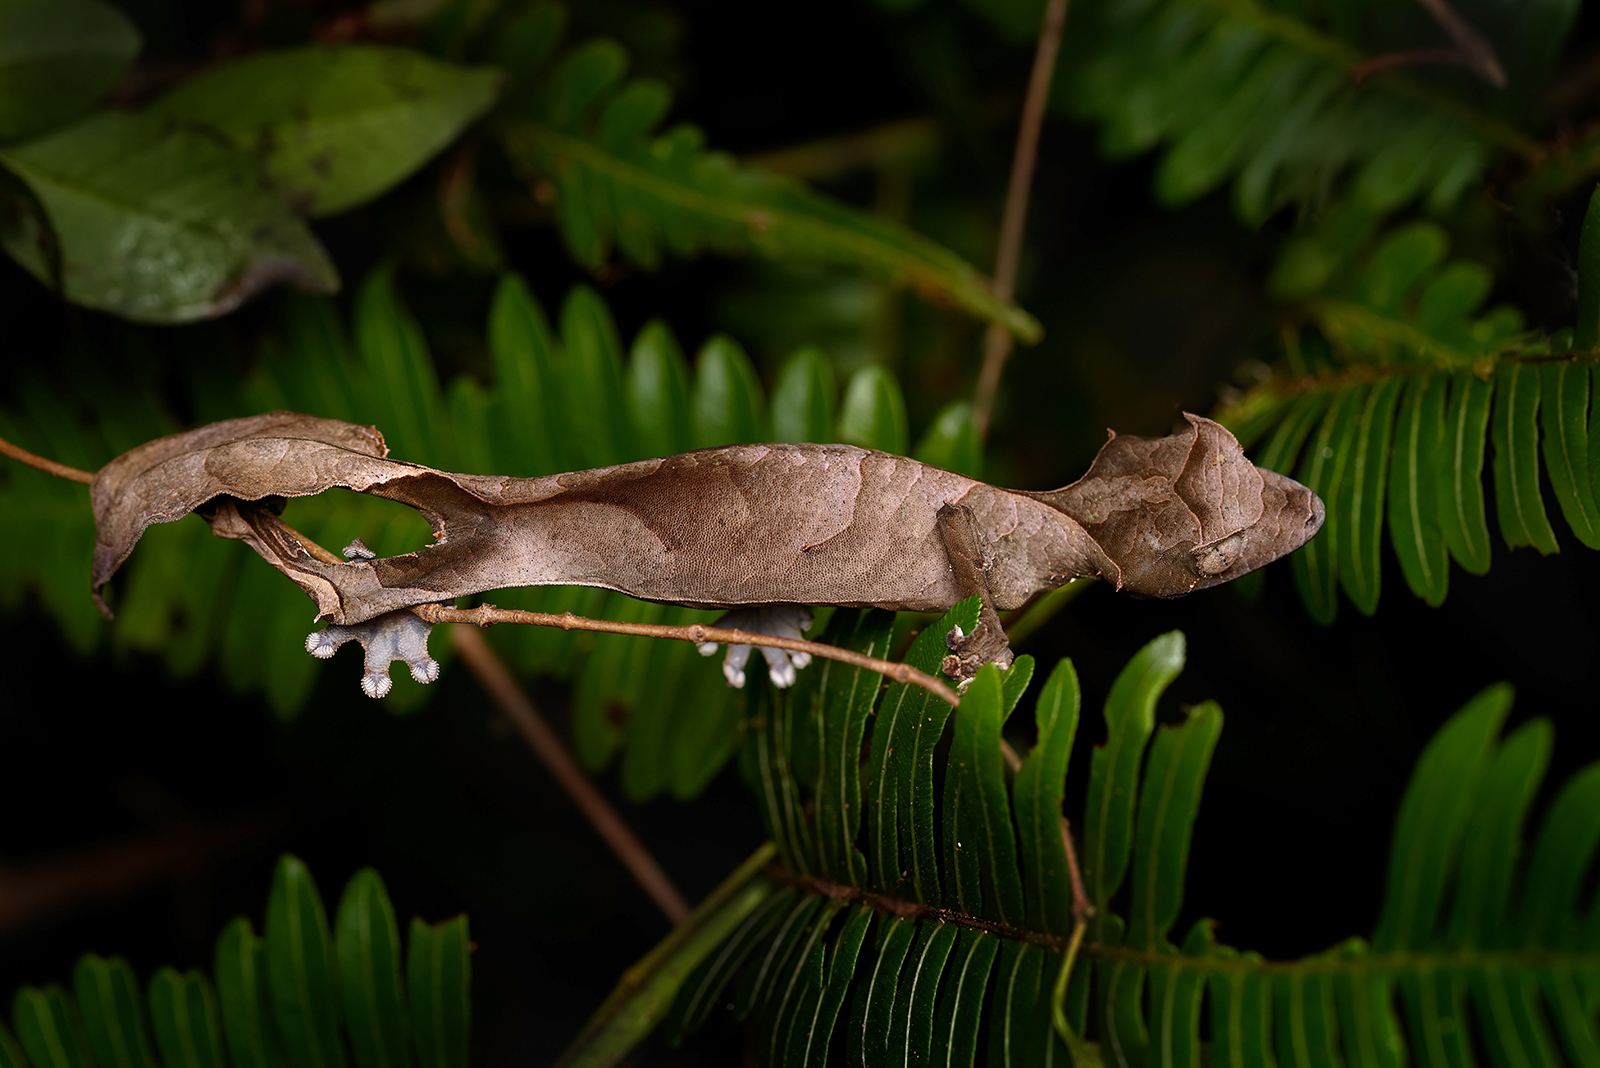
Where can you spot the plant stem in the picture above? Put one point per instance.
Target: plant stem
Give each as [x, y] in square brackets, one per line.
[997, 342]
[492, 675]
[699, 633]
[49, 467]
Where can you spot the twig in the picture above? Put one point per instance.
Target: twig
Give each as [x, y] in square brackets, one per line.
[492, 675]
[699, 633]
[1470, 49]
[49, 467]
[996, 340]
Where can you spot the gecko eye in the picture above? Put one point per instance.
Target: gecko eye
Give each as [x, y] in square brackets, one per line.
[1212, 560]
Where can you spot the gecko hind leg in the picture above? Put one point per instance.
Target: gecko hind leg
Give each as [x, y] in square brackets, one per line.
[778, 620]
[392, 636]
[987, 643]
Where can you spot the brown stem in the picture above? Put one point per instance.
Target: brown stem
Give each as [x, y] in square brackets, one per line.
[492, 675]
[488, 614]
[49, 467]
[996, 340]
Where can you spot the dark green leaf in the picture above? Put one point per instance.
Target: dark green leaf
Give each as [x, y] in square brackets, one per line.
[1361, 497]
[1516, 460]
[1324, 468]
[1460, 474]
[183, 1010]
[952, 441]
[11, 1055]
[1241, 1013]
[1431, 821]
[982, 824]
[439, 988]
[580, 78]
[367, 945]
[1366, 1012]
[301, 969]
[699, 993]
[1130, 711]
[658, 392]
[847, 697]
[1562, 857]
[911, 1029]
[527, 405]
[803, 398]
[770, 966]
[243, 992]
[113, 1012]
[727, 396]
[811, 1037]
[1169, 800]
[1566, 447]
[1307, 1030]
[48, 1028]
[593, 380]
[872, 1016]
[797, 994]
[961, 996]
[158, 222]
[1037, 792]
[874, 412]
[1414, 488]
[57, 59]
[1586, 331]
[335, 126]
[403, 395]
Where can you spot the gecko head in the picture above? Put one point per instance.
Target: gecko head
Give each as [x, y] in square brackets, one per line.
[1187, 511]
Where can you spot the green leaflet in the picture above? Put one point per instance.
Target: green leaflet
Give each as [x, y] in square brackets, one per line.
[727, 396]
[1461, 507]
[1516, 460]
[1565, 389]
[57, 60]
[845, 699]
[874, 412]
[1414, 527]
[335, 126]
[105, 1023]
[124, 191]
[803, 398]
[1361, 496]
[979, 838]
[1037, 794]
[1323, 468]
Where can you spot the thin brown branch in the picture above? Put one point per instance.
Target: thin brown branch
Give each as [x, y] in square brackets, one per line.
[996, 340]
[492, 675]
[488, 614]
[49, 467]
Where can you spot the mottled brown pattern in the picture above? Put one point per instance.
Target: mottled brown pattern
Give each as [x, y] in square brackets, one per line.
[745, 524]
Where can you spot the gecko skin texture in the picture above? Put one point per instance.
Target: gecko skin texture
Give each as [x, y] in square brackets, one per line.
[732, 527]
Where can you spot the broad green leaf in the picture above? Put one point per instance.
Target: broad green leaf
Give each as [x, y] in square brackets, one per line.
[1241, 1013]
[183, 1012]
[1460, 473]
[1323, 468]
[367, 948]
[592, 377]
[803, 398]
[113, 1012]
[439, 988]
[727, 396]
[677, 197]
[57, 59]
[49, 1029]
[159, 222]
[658, 392]
[846, 697]
[1566, 447]
[1479, 916]
[1516, 460]
[403, 395]
[244, 995]
[1175, 994]
[1037, 791]
[1414, 489]
[1169, 801]
[527, 425]
[301, 969]
[1114, 770]
[874, 412]
[336, 125]
[961, 995]
[1121, 989]
[1289, 436]
[952, 442]
[1361, 497]
[1432, 819]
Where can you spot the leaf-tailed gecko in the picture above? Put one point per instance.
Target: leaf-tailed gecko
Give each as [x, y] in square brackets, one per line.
[731, 527]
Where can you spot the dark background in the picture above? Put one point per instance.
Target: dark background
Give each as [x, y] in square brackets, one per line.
[179, 798]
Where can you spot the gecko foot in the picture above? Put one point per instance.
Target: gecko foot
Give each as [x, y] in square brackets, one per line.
[969, 652]
[778, 620]
[386, 638]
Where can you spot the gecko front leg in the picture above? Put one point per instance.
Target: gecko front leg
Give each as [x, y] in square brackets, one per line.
[987, 643]
[778, 620]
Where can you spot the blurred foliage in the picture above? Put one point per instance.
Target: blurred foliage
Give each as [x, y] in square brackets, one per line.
[535, 206]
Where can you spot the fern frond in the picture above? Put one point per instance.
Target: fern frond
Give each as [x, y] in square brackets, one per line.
[933, 929]
[293, 996]
[620, 184]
